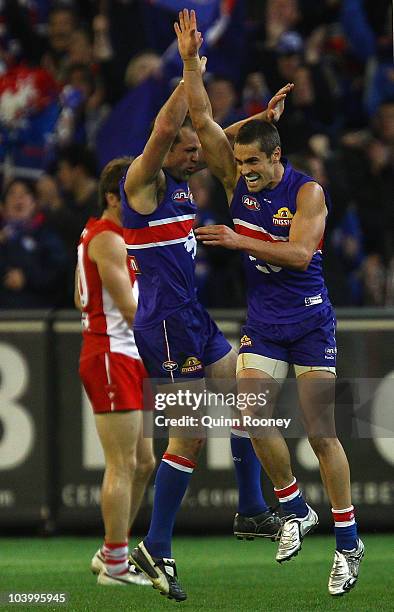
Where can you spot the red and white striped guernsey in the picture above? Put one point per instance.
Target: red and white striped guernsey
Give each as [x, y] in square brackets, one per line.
[103, 327]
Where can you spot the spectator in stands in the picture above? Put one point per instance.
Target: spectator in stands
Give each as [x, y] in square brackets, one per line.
[280, 16]
[224, 102]
[338, 54]
[76, 175]
[32, 257]
[369, 160]
[62, 22]
[311, 109]
[275, 18]
[343, 240]
[80, 49]
[255, 94]
[50, 51]
[83, 107]
[368, 26]
[218, 271]
[142, 66]
[48, 194]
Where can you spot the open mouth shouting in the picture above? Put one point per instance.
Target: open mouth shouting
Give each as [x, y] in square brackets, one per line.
[252, 179]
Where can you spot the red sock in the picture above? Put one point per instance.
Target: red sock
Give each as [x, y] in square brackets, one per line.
[116, 556]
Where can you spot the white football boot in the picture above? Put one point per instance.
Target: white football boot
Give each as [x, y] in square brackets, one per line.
[97, 565]
[131, 577]
[344, 572]
[293, 532]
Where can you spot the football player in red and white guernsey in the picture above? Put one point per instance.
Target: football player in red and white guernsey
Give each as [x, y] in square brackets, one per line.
[112, 374]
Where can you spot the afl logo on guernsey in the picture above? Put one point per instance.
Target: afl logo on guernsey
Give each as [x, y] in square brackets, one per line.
[169, 366]
[282, 217]
[181, 196]
[250, 202]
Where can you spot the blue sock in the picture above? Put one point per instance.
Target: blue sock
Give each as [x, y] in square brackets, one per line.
[248, 472]
[171, 482]
[345, 534]
[291, 500]
[346, 537]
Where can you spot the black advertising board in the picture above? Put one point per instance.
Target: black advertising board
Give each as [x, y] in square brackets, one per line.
[76, 461]
[24, 474]
[364, 349]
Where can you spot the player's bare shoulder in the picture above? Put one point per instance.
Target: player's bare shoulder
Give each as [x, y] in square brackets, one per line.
[106, 244]
[311, 199]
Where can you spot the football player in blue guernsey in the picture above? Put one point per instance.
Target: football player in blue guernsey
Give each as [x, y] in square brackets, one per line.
[279, 217]
[176, 338]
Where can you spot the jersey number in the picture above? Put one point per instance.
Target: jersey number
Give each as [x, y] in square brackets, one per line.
[83, 286]
[267, 269]
[82, 282]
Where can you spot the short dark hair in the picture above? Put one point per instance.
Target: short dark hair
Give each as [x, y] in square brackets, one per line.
[113, 172]
[262, 132]
[79, 155]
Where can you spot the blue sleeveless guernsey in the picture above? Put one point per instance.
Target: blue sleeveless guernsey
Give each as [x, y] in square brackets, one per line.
[275, 294]
[161, 247]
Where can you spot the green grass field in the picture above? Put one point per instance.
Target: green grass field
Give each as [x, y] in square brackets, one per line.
[218, 573]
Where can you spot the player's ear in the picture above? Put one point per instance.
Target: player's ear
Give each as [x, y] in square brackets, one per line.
[112, 200]
[276, 155]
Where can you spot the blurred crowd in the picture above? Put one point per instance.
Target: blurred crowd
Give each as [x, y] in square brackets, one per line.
[81, 82]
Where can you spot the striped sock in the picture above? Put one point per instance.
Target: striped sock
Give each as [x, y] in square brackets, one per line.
[171, 482]
[248, 473]
[345, 528]
[291, 500]
[116, 556]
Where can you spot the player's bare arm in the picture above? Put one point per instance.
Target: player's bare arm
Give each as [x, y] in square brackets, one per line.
[218, 153]
[272, 113]
[145, 176]
[108, 251]
[306, 231]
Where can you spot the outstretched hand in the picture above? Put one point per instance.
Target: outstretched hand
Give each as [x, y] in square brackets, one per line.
[276, 105]
[218, 235]
[189, 38]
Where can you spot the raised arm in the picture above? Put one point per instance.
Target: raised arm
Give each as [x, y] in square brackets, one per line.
[145, 169]
[108, 251]
[307, 229]
[271, 114]
[218, 153]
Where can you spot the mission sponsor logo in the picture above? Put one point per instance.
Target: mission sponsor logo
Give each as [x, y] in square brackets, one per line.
[192, 364]
[283, 217]
[169, 366]
[246, 341]
[250, 202]
[181, 196]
